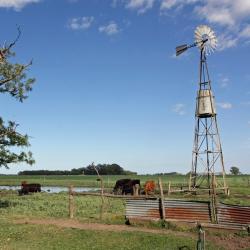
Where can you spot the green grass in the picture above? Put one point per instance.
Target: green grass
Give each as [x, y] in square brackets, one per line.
[55, 206]
[42, 206]
[235, 201]
[30, 237]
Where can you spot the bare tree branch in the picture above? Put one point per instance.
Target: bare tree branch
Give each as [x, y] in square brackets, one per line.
[6, 50]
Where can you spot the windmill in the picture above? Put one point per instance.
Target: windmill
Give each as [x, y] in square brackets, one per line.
[207, 157]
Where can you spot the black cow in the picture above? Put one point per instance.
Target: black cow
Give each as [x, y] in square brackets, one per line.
[125, 186]
[29, 188]
[118, 188]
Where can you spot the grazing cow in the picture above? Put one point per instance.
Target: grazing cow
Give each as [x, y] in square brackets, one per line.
[129, 187]
[29, 188]
[149, 187]
[119, 185]
[125, 186]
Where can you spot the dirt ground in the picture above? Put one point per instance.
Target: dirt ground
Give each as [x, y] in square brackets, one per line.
[228, 240]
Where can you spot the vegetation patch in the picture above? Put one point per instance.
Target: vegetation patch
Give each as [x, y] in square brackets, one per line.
[26, 236]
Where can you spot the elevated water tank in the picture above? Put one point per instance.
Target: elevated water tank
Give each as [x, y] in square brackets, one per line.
[205, 103]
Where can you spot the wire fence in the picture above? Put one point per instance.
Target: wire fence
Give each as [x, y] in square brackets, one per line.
[96, 206]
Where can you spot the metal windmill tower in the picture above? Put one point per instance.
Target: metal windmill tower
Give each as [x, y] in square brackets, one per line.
[207, 158]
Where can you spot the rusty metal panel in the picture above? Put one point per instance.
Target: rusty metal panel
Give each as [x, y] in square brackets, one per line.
[237, 215]
[174, 209]
[187, 210]
[143, 209]
[192, 211]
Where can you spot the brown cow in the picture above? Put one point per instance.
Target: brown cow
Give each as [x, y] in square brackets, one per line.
[149, 187]
[29, 188]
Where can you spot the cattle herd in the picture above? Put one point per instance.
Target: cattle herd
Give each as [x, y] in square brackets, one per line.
[130, 186]
[122, 187]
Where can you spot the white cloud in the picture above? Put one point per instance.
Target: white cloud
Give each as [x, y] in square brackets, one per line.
[223, 81]
[16, 4]
[216, 13]
[109, 29]
[179, 109]
[224, 12]
[226, 41]
[80, 23]
[141, 5]
[245, 32]
[224, 105]
[231, 15]
[168, 4]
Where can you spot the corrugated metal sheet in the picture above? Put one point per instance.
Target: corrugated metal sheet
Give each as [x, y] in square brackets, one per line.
[192, 211]
[143, 209]
[187, 210]
[229, 214]
[174, 209]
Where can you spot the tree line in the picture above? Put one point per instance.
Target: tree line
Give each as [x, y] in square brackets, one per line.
[103, 169]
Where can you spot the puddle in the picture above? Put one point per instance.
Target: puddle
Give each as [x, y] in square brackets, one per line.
[54, 189]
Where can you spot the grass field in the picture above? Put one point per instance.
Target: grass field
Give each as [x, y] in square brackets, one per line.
[239, 185]
[30, 237]
[45, 206]
[84, 180]
[240, 181]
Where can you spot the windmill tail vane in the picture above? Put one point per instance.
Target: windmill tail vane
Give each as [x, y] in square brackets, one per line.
[182, 48]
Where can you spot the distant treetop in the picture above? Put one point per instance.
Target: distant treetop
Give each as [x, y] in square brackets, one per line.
[103, 169]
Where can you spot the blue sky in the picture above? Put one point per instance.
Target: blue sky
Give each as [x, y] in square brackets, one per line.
[110, 90]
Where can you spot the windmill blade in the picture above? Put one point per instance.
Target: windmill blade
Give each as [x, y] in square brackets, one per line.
[197, 34]
[205, 39]
[180, 49]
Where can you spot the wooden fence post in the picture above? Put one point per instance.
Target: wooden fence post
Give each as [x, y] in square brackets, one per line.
[169, 187]
[162, 200]
[102, 190]
[71, 202]
[213, 201]
[102, 195]
[201, 239]
[136, 188]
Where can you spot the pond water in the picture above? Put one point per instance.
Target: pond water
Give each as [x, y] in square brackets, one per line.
[56, 189]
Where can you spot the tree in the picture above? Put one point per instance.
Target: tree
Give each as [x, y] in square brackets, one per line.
[104, 169]
[235, 170]
[14, 81]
